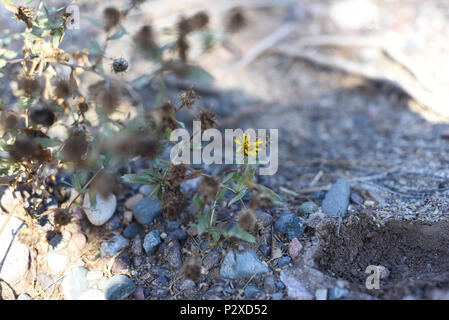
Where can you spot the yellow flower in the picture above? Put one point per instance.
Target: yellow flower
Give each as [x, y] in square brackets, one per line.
[248, 147]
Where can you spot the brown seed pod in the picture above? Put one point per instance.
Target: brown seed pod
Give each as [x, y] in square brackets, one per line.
[112, 17]
[23, 148]
[247, 220]
[198, 21]
[62, 89]
[120, 65]
[26, 15]
[173, 200]
[61, 217]
[43, 116]
[263, 199]
[236, 20]
[83, 107]
[76, 146]
[145, 40]
[192, 269]
[207, 119]
[107, 96]
[177, 174]
[163, 117]
[30, 86]
[105, 184]
[209, 187]
[9, 120]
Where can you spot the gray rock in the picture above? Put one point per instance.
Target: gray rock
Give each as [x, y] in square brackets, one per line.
[113, 246]
[24, 296]
[146, 210]
[173, 225]
[145, 190]
[269, 284]
[151, 241]
[277, 296]
[57, 262]
[92, 294]
[265, 219]
[321, 294]
[160, 282]
[119, 287]
[133, 230]
[14, 255]
[295, 288]
[103, 210]
[336, 201]
[74, 283]
[265, 249]
[187, 285]
[172, 254]
[307, 208]
[282, 262]
[114, 223]
[179, 234]
[57, 243]
[290, 225]
[242, 265]
[337, 294]
[252, 291]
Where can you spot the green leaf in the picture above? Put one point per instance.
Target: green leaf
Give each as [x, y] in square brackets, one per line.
[155, 192]
[221, 194]
[48, 143]
[275, 196]
[95, 48]
[138, 178]
[228, 177]
[120, 33]
[239, 233]
[238, 197]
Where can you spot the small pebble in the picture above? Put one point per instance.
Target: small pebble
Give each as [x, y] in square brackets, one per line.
[307, 208]
[294, 248]
[269, 284]
[147, 210]
[103, 210]
[113, 246]
[251, 291]
[139, 294]
[57, 262]
[321, 294]
[119, 287]
[355, 198]
[282, 262]
[92, 294]
[79, 240]
[133, 230]
[74, 283]
[24, 296]
[131, 202]
[127, 217]
[151, 241]
[337, 294]
[145, 190]
[265, 249]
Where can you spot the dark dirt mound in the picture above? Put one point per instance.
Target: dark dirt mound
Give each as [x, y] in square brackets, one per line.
[416, 254]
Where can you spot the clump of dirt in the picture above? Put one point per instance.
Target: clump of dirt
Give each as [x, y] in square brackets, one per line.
[416, 254]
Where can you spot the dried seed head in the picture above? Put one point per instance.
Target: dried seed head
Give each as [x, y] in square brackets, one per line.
[196, 22]
[247, 220]
[209, 187]
[28, 237]
[106, 96]
[192, 269]
[236, 20]
[26, 15]
[83, 107]
[173, 200]
[176, 174]
[188, 98]
[104, 184]
[120, 65]
[163, 117]
[263, 199]
[30, 86]
[207, 119]
[112, 17]
[23, 148]
[9, 120]
[61, 217]
[145, 39]
[76, 146]
[43, 116]
[62, 89]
